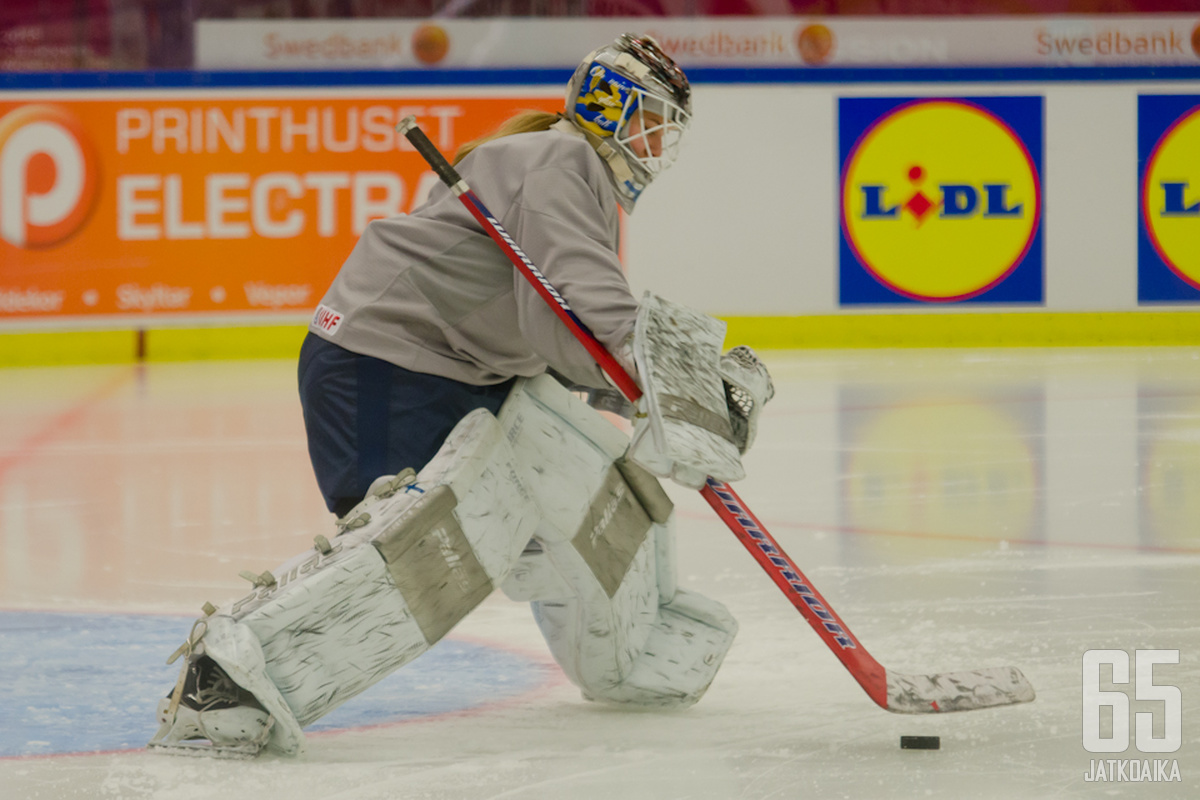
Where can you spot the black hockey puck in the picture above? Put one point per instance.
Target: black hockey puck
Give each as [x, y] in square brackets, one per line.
[920, 743]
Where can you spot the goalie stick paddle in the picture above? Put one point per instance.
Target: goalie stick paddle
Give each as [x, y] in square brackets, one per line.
[906, 694]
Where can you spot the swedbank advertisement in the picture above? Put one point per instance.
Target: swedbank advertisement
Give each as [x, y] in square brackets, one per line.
[207, 203]
[1113, 40]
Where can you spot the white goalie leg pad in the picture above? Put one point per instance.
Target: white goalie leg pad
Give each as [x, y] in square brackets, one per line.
[600, 573]
[410, 562]
[682, 430]
[630, 647]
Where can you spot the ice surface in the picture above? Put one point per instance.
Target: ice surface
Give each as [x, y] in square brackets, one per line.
[960, 509]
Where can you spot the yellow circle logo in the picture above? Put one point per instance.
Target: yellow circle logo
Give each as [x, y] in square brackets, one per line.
[1171, 197]
[940, 200]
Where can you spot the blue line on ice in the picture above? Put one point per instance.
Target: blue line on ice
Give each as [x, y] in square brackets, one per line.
[79, 683]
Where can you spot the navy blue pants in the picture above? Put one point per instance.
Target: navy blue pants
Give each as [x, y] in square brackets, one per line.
[365, 417]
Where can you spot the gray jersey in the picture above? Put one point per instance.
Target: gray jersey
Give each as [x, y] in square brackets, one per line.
[430, 291]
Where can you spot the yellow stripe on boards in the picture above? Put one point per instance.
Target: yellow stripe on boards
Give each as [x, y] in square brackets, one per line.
[162, 344]
[67, 347]
[1032, 329]
[832, 331]
[275, 341]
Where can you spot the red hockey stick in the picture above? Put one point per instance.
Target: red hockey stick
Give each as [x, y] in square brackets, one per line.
[909, 694]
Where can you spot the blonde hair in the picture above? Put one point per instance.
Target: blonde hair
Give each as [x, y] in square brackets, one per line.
[529, 121]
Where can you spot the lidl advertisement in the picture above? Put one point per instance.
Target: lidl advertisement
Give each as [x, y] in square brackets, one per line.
[1169, 202]
[941, 200]
[210, 203]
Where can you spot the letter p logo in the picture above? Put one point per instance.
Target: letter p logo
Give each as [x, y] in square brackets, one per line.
[47, 176]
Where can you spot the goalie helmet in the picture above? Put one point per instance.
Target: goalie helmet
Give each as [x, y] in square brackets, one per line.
[632, 95]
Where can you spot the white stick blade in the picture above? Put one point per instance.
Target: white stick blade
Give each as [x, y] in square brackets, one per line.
[957, 691]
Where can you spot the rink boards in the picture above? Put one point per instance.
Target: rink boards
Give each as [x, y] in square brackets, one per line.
[827, 207]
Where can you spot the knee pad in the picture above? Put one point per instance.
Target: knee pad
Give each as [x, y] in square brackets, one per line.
[410, 561]
[600, 573]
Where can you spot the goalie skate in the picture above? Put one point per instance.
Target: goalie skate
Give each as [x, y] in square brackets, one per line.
[210, 715]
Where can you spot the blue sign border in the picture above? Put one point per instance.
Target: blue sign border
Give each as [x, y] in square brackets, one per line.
[1157, 281]
[1025, 284]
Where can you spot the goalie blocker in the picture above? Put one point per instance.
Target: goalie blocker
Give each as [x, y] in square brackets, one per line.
[538, 500]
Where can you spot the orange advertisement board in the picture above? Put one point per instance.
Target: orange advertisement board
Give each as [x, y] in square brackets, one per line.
[206, 204]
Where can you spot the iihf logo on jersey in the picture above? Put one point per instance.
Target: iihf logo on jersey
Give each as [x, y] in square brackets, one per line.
[941, 200]
[1169, 202]
[48, 176]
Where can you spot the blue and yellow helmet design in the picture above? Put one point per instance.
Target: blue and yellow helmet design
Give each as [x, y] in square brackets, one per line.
[606, 99]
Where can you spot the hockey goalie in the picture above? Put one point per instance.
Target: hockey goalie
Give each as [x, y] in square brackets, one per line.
[444, 437]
